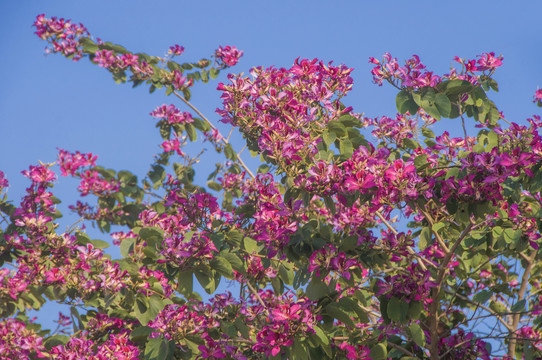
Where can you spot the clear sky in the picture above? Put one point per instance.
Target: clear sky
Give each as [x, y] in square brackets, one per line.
[48, 101]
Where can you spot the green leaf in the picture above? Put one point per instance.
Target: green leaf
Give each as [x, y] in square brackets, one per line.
[229, 152]
[455, 87]
[235, 261]
[56, 340]
[482, 296]
[127, 246]
[116, 48]
[346, 148]
[335, 311]
[207, 281]
[425, 238]
[186, 282]
[428, 133]
[159, 348]
[378, 352]
[223, 266]
[404, 102]
[147, 308]
[191, 131]
[350, 121]
[443, 104]
[519, 306]
[152, 235]
[417, 334]
[214, 185]
[316, 289]
[397, 310]
[201, 125]
[337, 128]
[250, 245]
[100, 244]
[89, 46]
[329, 137]
[157, 175]
[410, 144]
[321, 335]
[421, 162]
[213, 73]
[286, 274]
[140, 334]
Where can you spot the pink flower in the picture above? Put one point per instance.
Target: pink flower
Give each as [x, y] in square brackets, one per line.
[176, 50]
[488, 61]
[3, 181]
[228, 55]
[39, 174]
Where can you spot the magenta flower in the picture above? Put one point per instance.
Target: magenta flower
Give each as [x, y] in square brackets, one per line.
[228, 55]
[176, 50]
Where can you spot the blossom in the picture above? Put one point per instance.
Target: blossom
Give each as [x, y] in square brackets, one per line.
[176, 50]
[228, 55]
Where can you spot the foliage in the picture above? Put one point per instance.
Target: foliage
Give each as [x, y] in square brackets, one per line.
[324, 268]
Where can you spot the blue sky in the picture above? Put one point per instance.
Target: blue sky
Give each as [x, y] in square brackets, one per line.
[48, 102]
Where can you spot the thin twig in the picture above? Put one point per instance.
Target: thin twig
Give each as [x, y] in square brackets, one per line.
[256, 294]
[224, 140]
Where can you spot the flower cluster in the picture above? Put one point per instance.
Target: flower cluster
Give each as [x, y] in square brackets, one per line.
[171, 115]
[19, 342]
[62, 34]
[330, 259]
[412, 75]
[413, 285]
[228, 55]
[280, 111]
[3, 181]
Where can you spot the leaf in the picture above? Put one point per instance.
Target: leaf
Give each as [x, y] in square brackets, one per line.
[346, 148]
[329, 137]
[229, 152]
[286, 274]
[425, 238]
[207, 281]
[337, 128]
[100, 244]
[482, 296]
[159, 348]
[213, 73]
[152, 235]
[89, 46]
[140, 334]
[428, 133]
[316, 289]
[335, 311]
[378, 352]
[443, 104]
[455, 87]
[350, 121]
[201, 125]
[191, 131]
[214, 185]
[404, 102]
[519, 306]
[223, 266]
[417, 334]
[250, 245]
[321, 335]
[157, 175]
[397, 310]
[147, 308]
[56, 340]
[235, 261]
[186, 282]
